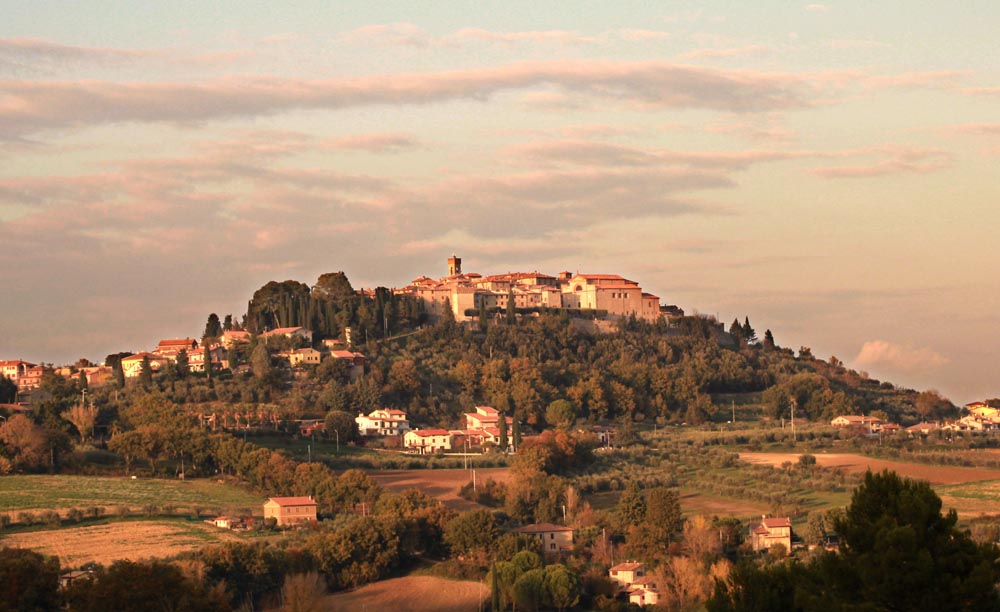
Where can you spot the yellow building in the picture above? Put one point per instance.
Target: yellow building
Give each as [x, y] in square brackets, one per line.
[289, 511]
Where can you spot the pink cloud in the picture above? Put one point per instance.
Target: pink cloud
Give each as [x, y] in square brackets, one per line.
[726, 52]
[374, 143]
[881, 353]
[639, 35]
[981, 129]
[895, 160]
[562, 37]
[30, 106]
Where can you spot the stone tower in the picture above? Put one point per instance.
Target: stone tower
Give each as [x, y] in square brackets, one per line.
[454, 265]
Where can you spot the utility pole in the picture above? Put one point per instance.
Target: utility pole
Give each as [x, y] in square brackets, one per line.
[734, 411]
[793, 421]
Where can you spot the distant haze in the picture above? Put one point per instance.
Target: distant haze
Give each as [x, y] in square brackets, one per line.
[827, 169]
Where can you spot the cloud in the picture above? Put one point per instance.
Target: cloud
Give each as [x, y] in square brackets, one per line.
[817, 8]
[639, 35]
[31, 106]
[982, 91]
[41, 48]
[769, 129]
[980, 129]
[405, 34]
[895, 160]
[373, 143]
[724, 52]
[850, 43]
[562, 37]
[881, 353]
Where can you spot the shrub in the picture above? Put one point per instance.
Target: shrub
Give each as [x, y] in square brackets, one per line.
[26, 518]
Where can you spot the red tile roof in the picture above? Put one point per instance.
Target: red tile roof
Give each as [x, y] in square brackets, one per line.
[772, 523]
[423, 433]
[628, 566]
[178, 342]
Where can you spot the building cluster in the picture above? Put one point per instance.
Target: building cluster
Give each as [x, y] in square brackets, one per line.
[468, 293]
[631, 581]
[979, 416]
[28, 376]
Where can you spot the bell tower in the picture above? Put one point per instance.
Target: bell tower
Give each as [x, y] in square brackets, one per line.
[454, 265]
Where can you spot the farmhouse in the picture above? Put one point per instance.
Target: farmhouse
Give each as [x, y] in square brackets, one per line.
[771, 531]
[554, 538]
[627, 573]
[383, 422]
[427, 441]
[302, 356]
[290, 510]
[290, 332]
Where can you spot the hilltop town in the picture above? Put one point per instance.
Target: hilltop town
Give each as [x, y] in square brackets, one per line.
[518, 427]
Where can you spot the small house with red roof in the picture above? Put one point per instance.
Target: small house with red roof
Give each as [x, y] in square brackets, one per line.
[771, 531]
[288, 511]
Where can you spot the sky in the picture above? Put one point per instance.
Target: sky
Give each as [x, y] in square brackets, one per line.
[828, 170]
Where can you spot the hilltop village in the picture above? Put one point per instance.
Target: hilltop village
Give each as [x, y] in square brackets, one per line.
[562, 442]
[468, 294]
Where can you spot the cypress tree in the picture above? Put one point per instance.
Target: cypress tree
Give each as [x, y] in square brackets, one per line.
[502, 426]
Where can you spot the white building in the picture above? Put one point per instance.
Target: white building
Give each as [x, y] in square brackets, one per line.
[383, 422]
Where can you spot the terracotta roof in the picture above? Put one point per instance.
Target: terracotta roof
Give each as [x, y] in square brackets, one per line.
[542, 528]
[178, 342]
[489, 410]
[423, 433]
[293, 501]
[772, 523]
[139, 356]
[601, 276]
[649, 296]
[395, 412]
[345, 354]
[628, 566]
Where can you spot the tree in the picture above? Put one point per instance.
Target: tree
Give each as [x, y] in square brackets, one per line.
[631, 508]
[260, 361]
[502, 426]
[748, 332]
[511, 307]
[769, 340]
[303, 593]
[343, 424]
[227, 323]
[183, 363]
[736, 331]
[25, 439]
[562, 587]
[82, 417]
[213, 329]
[146, 373]
[142, 587]
[560, 413]
[529, 590]
[472, 531]
[8, 390]
[28, 581]
[898, 553]
[516, 434]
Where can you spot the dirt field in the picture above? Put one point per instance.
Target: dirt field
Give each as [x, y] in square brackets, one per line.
[934, 474]
[412, 594]
[694, 503]
[132, 540]
[439, 484]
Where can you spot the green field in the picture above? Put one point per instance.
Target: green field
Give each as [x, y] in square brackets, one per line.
[63, 492]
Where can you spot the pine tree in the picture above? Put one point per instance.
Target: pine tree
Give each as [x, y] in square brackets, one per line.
[748, 332]
[736, 330]
[517, 435]
[213, 329]
[495, 590]
[183, 363]
[511, 307]
[768, 340]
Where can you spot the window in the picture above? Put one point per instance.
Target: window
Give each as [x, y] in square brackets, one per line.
[552, 546]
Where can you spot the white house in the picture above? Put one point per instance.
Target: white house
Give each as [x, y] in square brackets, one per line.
[426, 441]
[383, 422]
